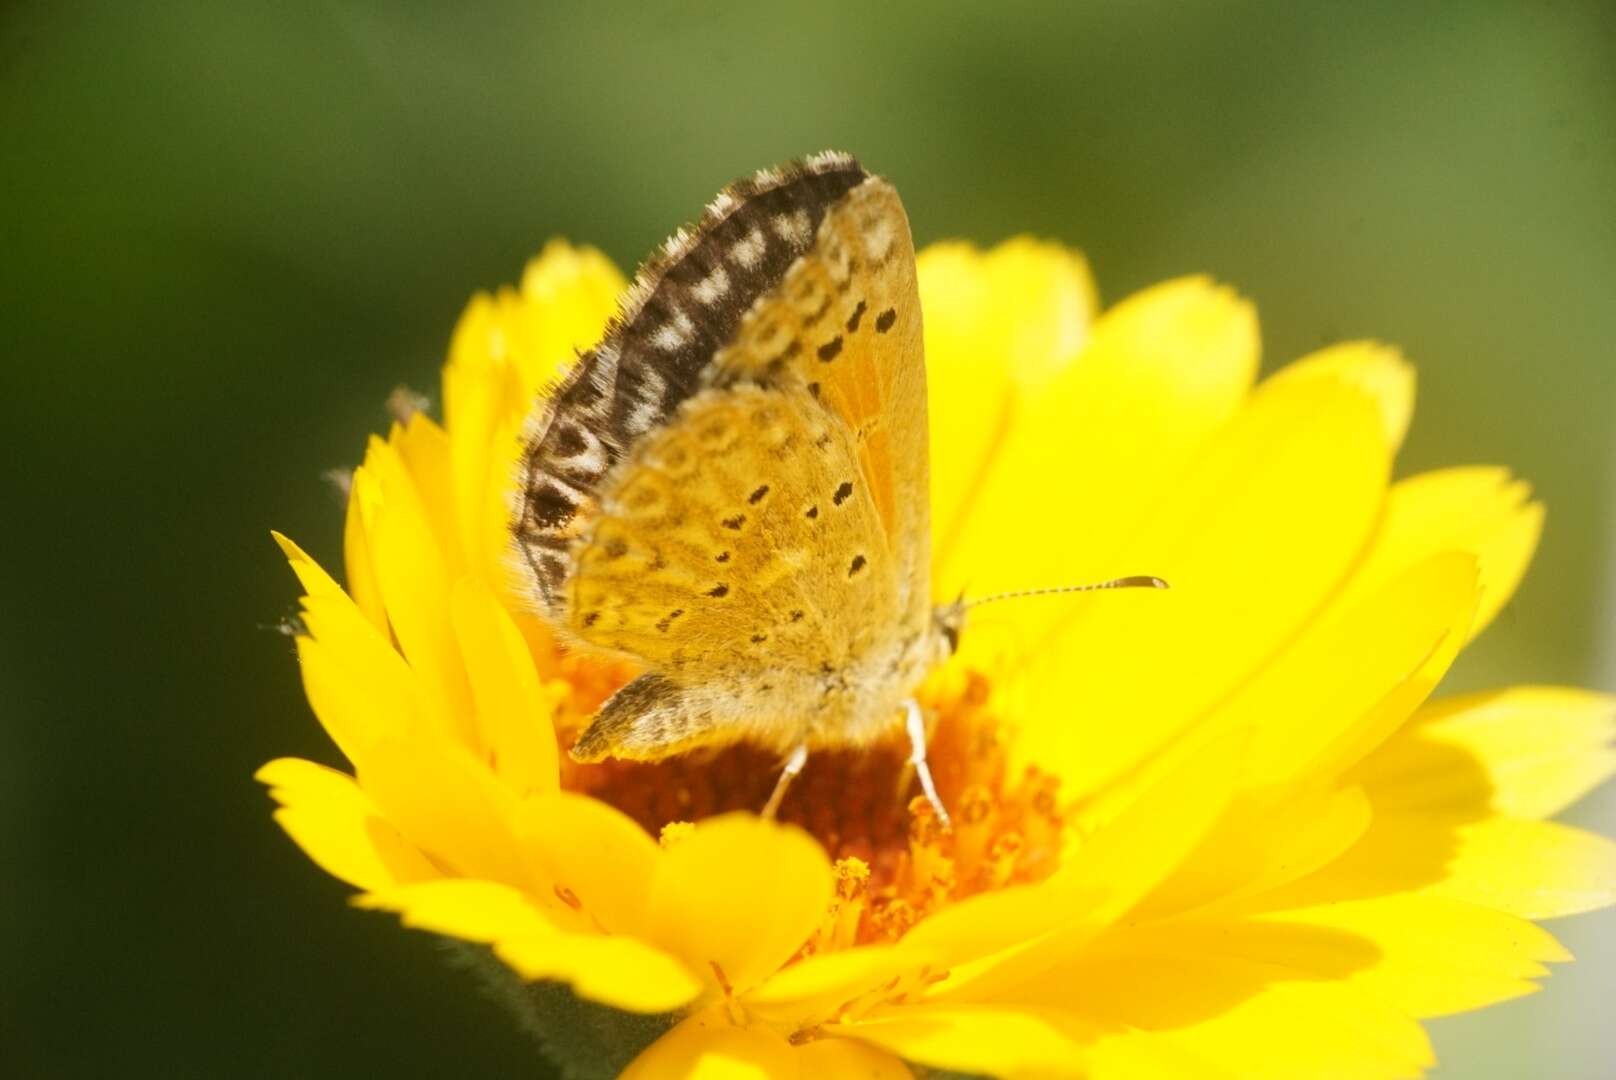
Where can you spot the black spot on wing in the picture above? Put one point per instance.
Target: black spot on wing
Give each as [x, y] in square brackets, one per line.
[570, 440]
[548, 506]
[853, 320]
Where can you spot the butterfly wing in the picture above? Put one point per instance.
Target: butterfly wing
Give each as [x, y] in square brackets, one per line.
[765, 536]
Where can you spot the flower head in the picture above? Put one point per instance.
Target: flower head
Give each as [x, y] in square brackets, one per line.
[1214, 831]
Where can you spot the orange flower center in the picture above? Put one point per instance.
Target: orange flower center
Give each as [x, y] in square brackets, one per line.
[895, 863]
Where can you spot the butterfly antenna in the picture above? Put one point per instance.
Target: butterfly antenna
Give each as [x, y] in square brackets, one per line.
[1138, 581]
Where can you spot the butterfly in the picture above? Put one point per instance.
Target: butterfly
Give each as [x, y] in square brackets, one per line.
[732, 488]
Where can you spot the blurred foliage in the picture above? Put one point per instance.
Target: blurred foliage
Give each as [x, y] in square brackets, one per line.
[230, 229]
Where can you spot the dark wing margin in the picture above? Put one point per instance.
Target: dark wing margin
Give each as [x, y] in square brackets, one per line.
[684, 305]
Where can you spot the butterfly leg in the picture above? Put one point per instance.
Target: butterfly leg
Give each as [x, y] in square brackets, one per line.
[794, 764]
[915, 724]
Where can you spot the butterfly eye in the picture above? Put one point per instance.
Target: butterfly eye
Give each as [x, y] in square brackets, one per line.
[949, 619]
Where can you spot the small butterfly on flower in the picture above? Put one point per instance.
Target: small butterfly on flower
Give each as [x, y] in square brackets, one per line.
[731, 489]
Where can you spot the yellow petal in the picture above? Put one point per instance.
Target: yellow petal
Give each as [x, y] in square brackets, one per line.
[481, 392]
[1121, 1053]
[1252, 539]
[414, 577]
[358, 686]
[617, 971]
[313, 578]
[1099, 882]
[1347, 685]
[850, 1059]
[326, 815]
[339, 694]
[707, 1047]
[360, 567]
[739, 895]
[504, 350]
[1091, 454]
[1430, 956]
[1003, 926]
[1006, 1043]
[481, 911]
[423, 446]
[1253, 1019]
[1378, 370]
[1477, 510]
[1294, 1029]
[1262, 844]
[816, 984]
[568, 293]
[499, 510]
[595, 852]
[448, 804]
[622, 972]
[1532, 869]
[513, 715]
[1024, 305]
[999, 324]
[1526, 752]
[1128, 857]
[1324, 700]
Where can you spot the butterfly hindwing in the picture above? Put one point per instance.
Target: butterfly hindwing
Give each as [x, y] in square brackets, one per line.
[736, 542]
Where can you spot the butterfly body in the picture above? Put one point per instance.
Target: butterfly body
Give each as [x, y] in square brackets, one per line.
[732, 488]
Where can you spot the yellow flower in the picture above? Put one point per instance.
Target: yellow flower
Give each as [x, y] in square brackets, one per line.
[1209, 832]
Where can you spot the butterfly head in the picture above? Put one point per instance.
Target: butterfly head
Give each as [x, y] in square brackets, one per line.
[948, 621]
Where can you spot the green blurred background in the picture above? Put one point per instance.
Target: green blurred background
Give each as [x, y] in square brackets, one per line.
[230, 229]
